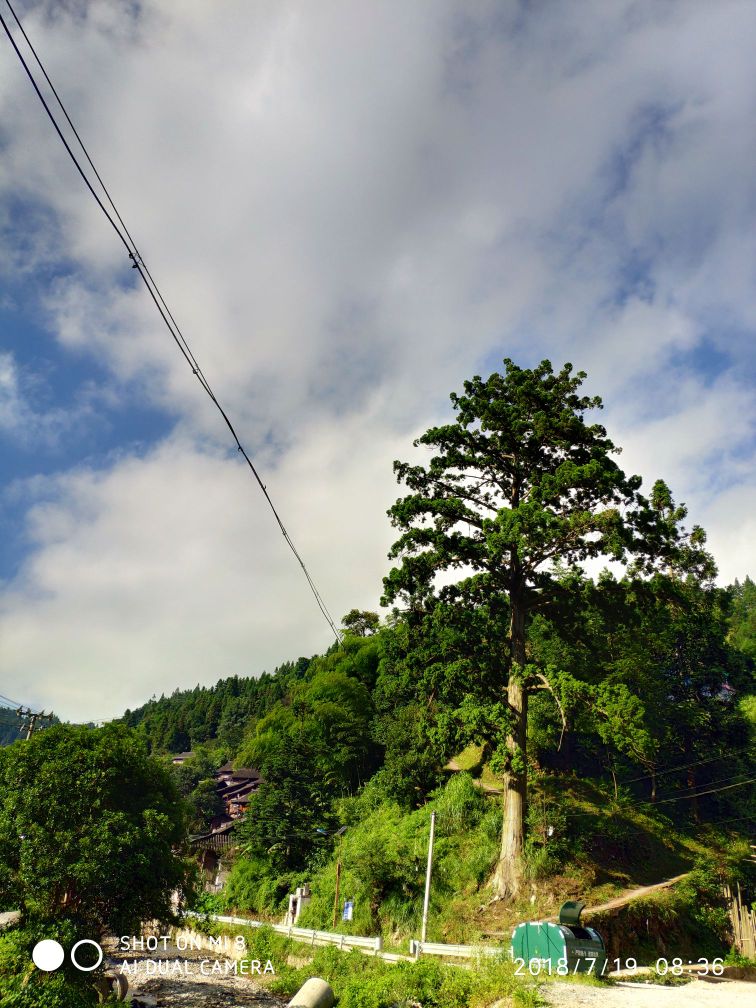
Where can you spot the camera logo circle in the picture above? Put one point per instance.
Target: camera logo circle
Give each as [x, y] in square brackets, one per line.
[86, 941]
[48, 955]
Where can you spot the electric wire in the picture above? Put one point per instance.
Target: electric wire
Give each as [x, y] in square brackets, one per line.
[700, 794]
[634, 803]
[686, 766]
[154, 292]
[694, 787]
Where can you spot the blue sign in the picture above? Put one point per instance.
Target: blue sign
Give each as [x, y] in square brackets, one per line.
[348, 910]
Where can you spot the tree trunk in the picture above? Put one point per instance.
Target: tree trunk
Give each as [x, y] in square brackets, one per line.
[508, 875]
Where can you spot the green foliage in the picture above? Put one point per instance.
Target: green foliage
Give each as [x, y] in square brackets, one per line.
[742, 634]
[88, 823]
[360, 982]
[748, 710]
[642, 669]
[384, 851]
[22, 985]
[255, 886]
[220, 714]
[360, 622]
[460, 805]
[198, 786]
[310, 749]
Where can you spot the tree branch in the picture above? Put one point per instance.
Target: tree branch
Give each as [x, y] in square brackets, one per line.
[547, 686]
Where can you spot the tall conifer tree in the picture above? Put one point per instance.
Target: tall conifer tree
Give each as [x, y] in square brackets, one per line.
[518, 487]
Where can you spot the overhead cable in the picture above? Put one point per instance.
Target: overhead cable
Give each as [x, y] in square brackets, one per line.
[116, 222]
[686, 766]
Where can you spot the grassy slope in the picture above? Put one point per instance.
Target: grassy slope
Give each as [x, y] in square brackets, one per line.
[618, 847]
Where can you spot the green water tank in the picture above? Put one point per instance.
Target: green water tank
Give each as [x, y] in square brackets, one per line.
[560, 948]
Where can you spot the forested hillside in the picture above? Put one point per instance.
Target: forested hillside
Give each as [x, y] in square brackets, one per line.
[219, 714]
[605, 718]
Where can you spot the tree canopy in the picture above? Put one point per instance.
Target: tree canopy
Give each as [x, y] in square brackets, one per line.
[88, 827]
[519, 489]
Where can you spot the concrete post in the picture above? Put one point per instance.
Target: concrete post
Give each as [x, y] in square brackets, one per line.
[314, 994]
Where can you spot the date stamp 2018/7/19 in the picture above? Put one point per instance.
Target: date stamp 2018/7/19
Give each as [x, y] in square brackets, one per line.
[662, 966]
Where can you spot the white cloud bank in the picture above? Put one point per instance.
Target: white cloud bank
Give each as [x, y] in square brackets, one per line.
[351, 207]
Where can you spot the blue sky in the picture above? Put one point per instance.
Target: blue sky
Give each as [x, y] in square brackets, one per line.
[350, 209]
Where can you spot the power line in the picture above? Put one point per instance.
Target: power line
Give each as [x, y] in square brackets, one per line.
[700, 794]
[723, 822]
[686, 766]
[664, 801]
[139, 265]
[692, 787]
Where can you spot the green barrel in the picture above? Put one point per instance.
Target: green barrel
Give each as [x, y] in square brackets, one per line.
[560, 948]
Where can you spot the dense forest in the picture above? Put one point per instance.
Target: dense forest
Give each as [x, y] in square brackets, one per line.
[220, 714]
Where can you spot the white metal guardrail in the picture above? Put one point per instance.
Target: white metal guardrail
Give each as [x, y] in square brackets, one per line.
[452, 951]
[369, 946]
[309, 935]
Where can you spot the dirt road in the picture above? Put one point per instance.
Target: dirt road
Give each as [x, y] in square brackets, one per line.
[698, 994]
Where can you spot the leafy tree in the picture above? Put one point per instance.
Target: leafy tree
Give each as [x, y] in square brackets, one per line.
[360, 622]
[643, 671]
[743, 619]
[196, 782]
[517, 486]
[330, 717]
[311, 748]
[291, 805]
[88, 827]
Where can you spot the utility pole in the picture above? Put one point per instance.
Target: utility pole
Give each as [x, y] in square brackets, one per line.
[426, 901]
[30, 726]
[340, 834]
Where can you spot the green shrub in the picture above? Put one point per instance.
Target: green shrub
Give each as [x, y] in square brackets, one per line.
[22, 985]
[362, 982]
[460, 805]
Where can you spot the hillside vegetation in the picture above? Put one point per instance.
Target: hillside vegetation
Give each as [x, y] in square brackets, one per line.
[607, 722]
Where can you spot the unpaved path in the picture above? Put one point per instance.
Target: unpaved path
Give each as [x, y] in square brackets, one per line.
[628, 897]
[634, 894]
[186, 979]
[697, 994]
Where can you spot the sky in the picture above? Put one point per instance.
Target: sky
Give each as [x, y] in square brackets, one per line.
[350, 207]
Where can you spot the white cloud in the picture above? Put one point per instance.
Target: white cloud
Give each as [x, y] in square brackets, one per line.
[350, 209]
[171, 569]
[12, 405]
[25, 417]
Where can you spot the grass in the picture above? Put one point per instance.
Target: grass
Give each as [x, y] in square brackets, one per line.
[360, 981]
[602, 848]
[611, 847]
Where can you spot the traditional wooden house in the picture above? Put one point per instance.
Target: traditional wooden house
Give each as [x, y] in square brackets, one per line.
[236, 789]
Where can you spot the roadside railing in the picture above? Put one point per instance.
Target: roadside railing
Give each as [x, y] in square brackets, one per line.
[369, 946]
[307, 935]
[451, 951]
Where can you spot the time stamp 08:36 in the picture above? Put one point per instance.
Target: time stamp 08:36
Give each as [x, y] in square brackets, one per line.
[675, 967]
